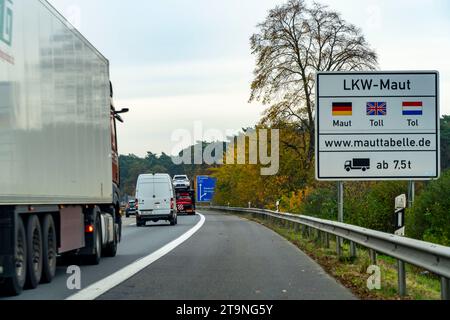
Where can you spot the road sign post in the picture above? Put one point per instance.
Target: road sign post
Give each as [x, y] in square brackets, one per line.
[340, 215]
[377, 126]
[411, 193]
[400, 206]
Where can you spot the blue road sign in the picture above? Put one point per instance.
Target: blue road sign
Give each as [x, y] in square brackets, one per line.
[206, 187]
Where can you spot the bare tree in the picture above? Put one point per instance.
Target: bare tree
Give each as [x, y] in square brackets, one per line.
[293, 43]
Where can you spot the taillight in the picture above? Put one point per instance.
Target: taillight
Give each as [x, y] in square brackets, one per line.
[172, 203]
[89, 229]
[136, 204]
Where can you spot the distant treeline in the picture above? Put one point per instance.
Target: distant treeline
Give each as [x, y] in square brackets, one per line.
[131, 166]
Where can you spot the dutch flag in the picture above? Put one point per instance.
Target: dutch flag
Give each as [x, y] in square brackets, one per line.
[413, 108]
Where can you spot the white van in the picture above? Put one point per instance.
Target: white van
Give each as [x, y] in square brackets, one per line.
[155, 199]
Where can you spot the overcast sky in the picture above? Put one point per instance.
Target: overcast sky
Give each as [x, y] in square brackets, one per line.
[174, 62]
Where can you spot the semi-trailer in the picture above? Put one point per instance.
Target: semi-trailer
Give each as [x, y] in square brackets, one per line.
[59, 168]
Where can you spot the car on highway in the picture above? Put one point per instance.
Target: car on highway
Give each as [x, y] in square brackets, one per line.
[181, 182]
[185, 201]
[155, 199]
[131, 208]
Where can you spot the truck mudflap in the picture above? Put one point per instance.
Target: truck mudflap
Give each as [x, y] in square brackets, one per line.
[6, 266]
[7, 234]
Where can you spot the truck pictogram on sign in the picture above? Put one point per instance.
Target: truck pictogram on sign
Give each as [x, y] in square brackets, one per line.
[357, 164]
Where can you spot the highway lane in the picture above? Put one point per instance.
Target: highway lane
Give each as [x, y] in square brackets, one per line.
[227, 259]
[136, 243]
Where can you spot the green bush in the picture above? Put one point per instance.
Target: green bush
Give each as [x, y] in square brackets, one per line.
[321, 203]
[429, 219]
[381, 205]
[366, 204]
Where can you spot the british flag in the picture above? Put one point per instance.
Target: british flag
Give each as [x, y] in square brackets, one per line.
[376, 108]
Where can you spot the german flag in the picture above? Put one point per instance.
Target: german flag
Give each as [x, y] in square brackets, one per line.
[342, 109]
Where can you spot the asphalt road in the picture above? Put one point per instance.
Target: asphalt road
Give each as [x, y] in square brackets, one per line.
[136, 243]
[228, 258]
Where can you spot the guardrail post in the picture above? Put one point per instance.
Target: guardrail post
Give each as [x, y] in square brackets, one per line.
[445, 288]
[353, 253]
[327, 240]
[338, 246]
[318, 236]
[401, 278]
[373, 256]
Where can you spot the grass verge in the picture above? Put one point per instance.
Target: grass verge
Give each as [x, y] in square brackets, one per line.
[352, 272]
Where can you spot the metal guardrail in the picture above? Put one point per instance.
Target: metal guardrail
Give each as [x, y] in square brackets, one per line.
[432, 257]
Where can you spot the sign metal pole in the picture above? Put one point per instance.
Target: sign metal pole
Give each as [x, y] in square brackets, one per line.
[401, 264]
[340, 215]
[411, 193]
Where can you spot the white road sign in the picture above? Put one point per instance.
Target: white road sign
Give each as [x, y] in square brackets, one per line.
[377, 126]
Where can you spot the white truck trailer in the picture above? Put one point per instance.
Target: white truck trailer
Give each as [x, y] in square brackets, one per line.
[59, 170]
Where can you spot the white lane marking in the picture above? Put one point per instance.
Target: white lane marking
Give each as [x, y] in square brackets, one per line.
[97, 289]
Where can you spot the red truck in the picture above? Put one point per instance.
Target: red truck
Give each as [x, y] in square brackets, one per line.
[185, 201]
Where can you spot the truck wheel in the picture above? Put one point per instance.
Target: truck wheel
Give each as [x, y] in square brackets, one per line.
[49, 249]
[14, 286]
[110, 250]
[34, 252]
[94, 259]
